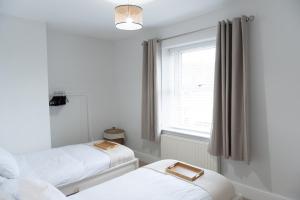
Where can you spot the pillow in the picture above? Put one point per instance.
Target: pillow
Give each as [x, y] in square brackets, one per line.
[34, 189]
[8, 165]
[8, 189]
[2, 180]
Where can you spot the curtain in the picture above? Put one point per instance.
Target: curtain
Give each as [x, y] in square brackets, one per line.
[229, 137]
[151, 90]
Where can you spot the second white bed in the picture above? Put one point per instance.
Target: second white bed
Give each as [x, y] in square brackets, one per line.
[152, 183]
[71, 164]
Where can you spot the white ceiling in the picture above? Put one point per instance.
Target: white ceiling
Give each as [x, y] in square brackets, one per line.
[96, 17]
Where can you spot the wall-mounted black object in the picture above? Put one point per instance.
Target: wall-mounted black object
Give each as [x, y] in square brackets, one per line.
[58, 101]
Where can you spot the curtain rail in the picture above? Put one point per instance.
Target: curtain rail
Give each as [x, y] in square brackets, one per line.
[250, 19]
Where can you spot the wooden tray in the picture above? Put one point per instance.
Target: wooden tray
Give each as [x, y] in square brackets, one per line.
[185, 171]
[105, 145]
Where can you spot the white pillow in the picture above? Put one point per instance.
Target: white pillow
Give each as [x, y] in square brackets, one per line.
[8, 189]
[2, 180]
[8, 165]
[34, 189]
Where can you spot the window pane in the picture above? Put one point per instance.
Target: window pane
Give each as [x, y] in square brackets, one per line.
[193, 99]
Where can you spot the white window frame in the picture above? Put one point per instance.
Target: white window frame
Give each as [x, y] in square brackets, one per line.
[166, 56]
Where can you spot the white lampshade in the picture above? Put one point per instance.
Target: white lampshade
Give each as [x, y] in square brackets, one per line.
[129, 17]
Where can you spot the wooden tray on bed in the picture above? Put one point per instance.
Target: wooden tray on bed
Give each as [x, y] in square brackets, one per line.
[105, 145]
[185, 171]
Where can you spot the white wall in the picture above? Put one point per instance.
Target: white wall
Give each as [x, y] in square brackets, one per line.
[128, 88]
[24, 113]
[80, 66]
[274, 92]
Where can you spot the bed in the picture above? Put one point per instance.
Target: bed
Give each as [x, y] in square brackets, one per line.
[151, 182]
[76, 167]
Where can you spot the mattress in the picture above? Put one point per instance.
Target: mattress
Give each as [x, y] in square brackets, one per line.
[69, 164]
[152, 183]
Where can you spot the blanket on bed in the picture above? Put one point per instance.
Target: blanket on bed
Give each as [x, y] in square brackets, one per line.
[215, 184]
[68, 164]
[118, 155]
[143, 184]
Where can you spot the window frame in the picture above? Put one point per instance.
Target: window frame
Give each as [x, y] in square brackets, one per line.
[176, 51]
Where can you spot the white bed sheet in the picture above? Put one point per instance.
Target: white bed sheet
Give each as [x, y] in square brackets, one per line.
[144, 184]
[118, 155]
[68, 164]
[219, 187]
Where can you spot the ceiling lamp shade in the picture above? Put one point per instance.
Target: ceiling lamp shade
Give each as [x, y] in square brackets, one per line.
[129, 17]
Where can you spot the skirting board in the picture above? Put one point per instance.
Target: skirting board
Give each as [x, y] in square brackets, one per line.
[254, 193]
[244, 190]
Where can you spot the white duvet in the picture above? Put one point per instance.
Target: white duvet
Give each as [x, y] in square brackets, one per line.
[144, 184]
[215, 184]
[153, 183]
[147, 183]
[68, 164]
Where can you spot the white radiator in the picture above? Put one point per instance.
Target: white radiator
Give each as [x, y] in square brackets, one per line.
[192, 151]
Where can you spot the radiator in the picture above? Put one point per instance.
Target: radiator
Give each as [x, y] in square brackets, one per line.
[193, 151]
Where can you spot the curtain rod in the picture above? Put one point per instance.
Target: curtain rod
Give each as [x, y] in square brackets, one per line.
[188, 33]
[250, 19]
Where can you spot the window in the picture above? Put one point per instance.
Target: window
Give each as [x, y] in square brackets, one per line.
[188, 87]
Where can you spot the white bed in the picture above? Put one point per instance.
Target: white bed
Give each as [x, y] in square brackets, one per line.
[76, 167]
[152, 183]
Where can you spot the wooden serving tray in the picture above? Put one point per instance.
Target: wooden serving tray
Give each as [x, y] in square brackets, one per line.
[185, 171]
[105, 145]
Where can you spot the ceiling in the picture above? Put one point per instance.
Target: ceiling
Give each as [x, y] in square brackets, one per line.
[96, 17]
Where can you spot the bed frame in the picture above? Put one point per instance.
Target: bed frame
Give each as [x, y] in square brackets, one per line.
[101, 177]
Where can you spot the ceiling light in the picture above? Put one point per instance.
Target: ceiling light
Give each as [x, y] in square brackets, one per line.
[129, 17]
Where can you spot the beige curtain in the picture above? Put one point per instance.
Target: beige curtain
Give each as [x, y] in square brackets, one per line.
[229, 137]
[151, 90]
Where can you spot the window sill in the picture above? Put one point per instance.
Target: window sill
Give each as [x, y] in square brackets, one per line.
[187, 133]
